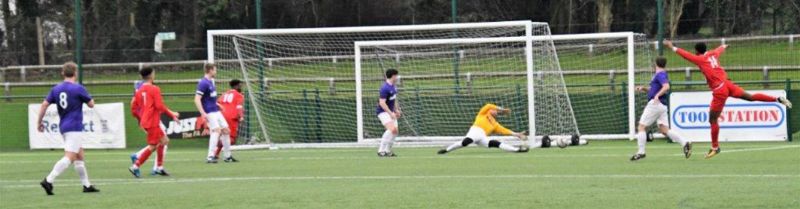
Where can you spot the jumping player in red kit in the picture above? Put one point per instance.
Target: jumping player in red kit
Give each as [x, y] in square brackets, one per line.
[721, 87]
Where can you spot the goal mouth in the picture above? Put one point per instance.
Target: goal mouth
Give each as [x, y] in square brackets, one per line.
[301, 84]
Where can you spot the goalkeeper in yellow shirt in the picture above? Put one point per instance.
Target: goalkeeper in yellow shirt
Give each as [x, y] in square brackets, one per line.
[484, 125]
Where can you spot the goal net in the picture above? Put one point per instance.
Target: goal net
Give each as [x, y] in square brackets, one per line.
[302, 89]
[300, 83]
[601, 72]
[444, 82]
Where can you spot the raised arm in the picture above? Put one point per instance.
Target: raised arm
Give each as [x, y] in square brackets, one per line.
[486, 108]
[683, 53]
[720, 49]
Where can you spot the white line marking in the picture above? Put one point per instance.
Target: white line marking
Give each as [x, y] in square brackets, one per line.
[311, 150]
[32, 183]
[539, 155]
[370, 157]
[753, 149]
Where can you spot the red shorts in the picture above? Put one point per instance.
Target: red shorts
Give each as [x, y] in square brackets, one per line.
[721, 94]
[233, 126]
[154, 135]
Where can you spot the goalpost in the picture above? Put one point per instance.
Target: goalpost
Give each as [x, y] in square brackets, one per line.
[536, 73]
[301, 83]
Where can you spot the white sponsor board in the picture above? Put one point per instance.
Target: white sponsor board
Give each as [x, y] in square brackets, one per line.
[740, 120]
[103, 127]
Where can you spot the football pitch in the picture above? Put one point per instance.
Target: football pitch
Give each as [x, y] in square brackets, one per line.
[744, 175]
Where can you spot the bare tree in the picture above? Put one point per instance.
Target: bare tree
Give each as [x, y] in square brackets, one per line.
[604, 15]
[674, 11]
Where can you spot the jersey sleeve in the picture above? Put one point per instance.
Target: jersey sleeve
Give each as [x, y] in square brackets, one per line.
[385, 93]
[238, 100]
[202, 88]
[697, 60]
[51, 97]
[135, 107]
[718, 51]
[501, 130]
[486, 108]
[662, 78]
[158, 102]
[84, 95]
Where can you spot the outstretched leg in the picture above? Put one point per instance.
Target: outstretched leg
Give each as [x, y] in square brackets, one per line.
[463, 143]
[504, 146]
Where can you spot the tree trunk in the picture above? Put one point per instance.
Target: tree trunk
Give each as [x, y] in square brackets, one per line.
[674, 12]
[604, 15]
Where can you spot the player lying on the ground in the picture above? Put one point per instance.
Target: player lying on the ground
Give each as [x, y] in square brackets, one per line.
[151, 106]
[205, 100]
[720, 85]
[161, 151]
[233, 111]
[69, 98]
[484, 125]
[388, 112]
[656, 111]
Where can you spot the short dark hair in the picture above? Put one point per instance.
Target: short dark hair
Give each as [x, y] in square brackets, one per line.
[661, 62]
[700, 47]
[235, 82]
[69, 69]
[146, 72]
[209, 66]
[391, 72]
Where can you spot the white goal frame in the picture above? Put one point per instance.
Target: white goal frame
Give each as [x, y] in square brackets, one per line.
[528, 38]
[530, 73]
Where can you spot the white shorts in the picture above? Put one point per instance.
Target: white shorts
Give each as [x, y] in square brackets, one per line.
[654, 112]
[215, 120]
[478, 136]
[72, 141]
[386, 118]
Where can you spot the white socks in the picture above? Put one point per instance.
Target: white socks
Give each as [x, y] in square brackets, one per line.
[387, 140]
[641, 139]
[212, 143]
[81, 169]
[226, 145]
[675, 137]
[508, 147]
[455, 146]
[58, 168]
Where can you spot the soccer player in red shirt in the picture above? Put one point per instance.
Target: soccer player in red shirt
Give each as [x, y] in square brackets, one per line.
[161, 152]
[232, 110]
[151, 105]
[721, 87]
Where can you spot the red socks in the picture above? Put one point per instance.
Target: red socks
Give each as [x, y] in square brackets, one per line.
[714, 135]
[143, 157]
[763, 98]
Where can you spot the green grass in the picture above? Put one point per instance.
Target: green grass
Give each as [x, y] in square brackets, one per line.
[745, 175]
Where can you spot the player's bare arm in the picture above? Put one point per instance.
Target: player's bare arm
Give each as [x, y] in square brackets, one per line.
[664, 90]
[42, 111]
[199, 105]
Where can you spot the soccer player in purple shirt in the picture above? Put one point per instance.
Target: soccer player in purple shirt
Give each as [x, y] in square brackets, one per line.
[388, 111]
[656, 111]
[69, 98]
[205, 100]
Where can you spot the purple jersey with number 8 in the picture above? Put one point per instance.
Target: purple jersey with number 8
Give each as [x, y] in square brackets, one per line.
[69, 98]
